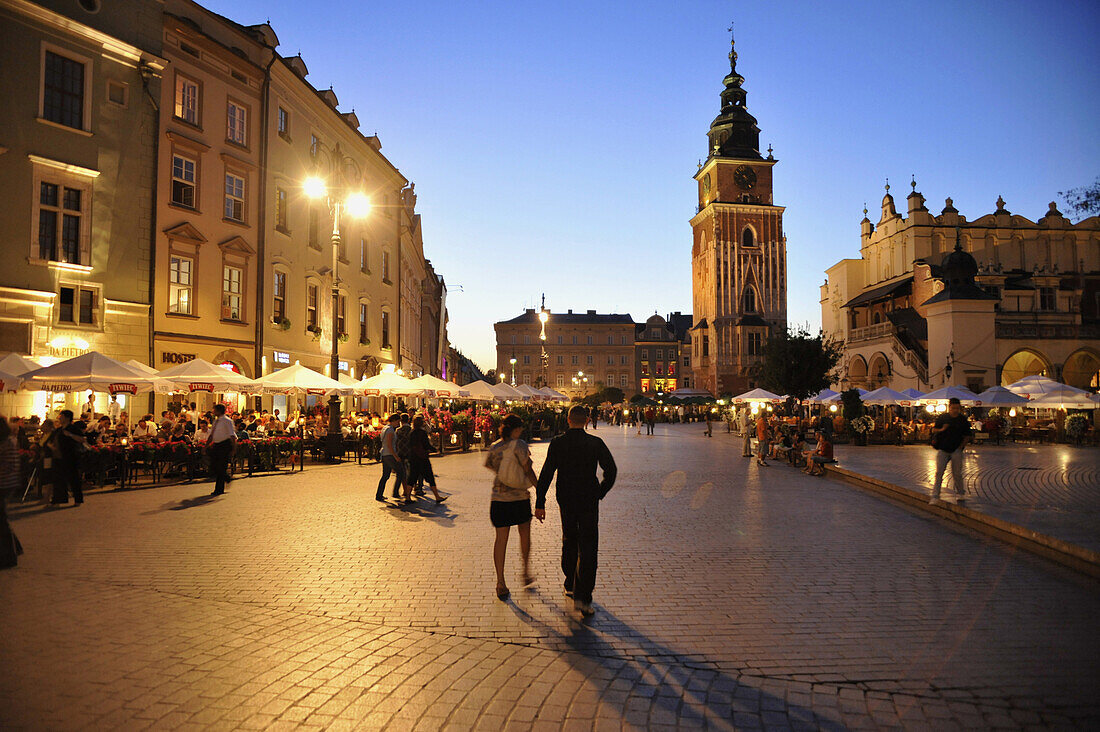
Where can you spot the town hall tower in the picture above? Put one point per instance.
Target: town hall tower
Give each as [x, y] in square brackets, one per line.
[739, 251]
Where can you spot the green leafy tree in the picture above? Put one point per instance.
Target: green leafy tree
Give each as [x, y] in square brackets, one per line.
[611, 394]
[797, 363]
[1083, 201]
[853, 405]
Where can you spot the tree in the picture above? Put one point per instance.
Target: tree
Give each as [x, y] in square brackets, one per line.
[490, 376]
[1083, 201]
[796, 363]
[611, 394]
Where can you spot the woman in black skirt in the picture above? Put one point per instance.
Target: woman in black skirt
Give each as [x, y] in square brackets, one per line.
[510, 460]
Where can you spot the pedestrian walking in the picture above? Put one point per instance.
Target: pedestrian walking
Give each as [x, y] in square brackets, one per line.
[708, 433]
[575, 456]
[401, 443]
[762, 439]
[420, 464]
[10, 482]
[67, 443]
[510, 460]
[220, 446]
[650, 420]
[950, 434]
[746, 433]
[391, 463]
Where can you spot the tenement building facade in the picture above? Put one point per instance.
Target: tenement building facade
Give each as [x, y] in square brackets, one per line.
[739, 251]
[662, 353]
[584, 351]
[156, 159]
[77, 139]
[907, 318]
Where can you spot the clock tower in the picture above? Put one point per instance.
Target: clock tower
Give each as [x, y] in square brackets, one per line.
[739, 251]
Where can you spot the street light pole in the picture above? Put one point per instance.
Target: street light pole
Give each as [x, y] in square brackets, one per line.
[544, 316]
[513, 362]
[339, 188]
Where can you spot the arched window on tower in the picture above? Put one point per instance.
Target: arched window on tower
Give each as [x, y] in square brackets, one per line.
[747, 238]
[748, 301]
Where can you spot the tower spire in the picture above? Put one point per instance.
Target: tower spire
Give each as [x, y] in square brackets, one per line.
[734, 133]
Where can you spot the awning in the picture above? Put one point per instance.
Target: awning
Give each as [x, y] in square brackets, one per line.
[894, 288]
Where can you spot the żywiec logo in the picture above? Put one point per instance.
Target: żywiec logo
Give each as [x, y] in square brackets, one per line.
[119, 388]
[201, 386]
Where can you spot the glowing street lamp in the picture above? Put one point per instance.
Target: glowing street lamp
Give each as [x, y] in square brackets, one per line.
[339, 189]
[513, 362]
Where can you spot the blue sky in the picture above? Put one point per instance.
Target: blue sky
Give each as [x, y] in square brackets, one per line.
[553, 145]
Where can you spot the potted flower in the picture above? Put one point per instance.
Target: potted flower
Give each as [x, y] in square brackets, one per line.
[343, 337]
[315, 330]
[282, 323]
[1076, 427]
[364, 341]
[862, 427]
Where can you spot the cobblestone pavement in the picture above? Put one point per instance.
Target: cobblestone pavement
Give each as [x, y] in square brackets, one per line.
[1053, 489]
[730, 596]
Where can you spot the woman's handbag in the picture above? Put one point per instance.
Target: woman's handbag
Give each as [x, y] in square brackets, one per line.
[511, 473]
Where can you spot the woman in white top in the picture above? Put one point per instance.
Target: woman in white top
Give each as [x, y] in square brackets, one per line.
[511, 504]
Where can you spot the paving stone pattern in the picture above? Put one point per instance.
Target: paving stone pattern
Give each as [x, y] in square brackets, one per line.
[1053, 489]
[730, 596]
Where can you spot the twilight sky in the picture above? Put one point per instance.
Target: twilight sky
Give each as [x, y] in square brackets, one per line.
[553, 145]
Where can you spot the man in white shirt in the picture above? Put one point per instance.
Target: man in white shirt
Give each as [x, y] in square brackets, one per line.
[220, 446]
[89, 406]
[145, 427]
[114, 409]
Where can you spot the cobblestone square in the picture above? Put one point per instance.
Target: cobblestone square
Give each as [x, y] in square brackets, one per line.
[729, 596]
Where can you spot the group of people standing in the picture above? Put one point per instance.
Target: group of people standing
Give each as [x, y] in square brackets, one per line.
[406, 454]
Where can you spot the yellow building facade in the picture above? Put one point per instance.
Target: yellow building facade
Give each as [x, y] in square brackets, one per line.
[1042, 282]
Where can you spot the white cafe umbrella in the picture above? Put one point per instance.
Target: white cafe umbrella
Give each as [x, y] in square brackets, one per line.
[147, 370]
[201, 375]
[530, 393]
[480, 391]
[507, 391]
[441, 388]
[554, 396]
[1084, 400]
[999, 396]
[945, 393]
[757, 395]
[18, 365]
[391, 384]
[823, 396]
[9, 381]
[90, 371]
[297, 380]
[1033, 387]
[912, 393]
[885, 395]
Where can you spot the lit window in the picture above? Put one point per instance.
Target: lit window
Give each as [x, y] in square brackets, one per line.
[60, 221]
[561, 380]
[187, 100]
[63, 91]
[278, 310]
[183, 181]
[180, 277]
[314, 234]
[280, 209]
[231, 293]
[234, 197]
[77, 305]
[311, 305]
[236, 123]
[623, 381]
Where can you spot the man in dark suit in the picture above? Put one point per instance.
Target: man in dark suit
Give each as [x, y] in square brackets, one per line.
[574, 456]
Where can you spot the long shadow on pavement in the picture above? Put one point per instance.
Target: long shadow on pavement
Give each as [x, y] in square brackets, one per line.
[680, 688]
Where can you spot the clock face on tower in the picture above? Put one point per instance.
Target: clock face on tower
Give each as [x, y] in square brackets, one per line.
[745, 177]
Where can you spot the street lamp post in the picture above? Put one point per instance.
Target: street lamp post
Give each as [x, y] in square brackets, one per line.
[581, 380]
[513, 362]
[544, 316]
[337, 185]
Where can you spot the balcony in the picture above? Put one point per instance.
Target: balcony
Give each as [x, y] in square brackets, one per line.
[871, 332]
